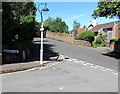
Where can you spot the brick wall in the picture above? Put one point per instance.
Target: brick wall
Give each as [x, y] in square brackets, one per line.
[68, 38]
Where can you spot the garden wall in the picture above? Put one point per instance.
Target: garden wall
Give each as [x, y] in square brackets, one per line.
[68, 38]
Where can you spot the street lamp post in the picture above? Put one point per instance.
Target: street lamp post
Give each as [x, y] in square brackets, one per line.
[41, 30]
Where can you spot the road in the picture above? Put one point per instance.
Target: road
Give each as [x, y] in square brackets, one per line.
[86, 70]
[92, 55]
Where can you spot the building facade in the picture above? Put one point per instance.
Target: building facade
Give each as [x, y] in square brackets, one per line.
[111, 30]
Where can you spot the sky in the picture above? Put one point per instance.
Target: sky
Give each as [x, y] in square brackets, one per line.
[71, 11]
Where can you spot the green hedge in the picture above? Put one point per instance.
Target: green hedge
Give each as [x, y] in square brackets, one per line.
[114, 39]
[87, 36]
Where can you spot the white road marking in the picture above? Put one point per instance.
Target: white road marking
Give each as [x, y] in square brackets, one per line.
[84, 64]
[99, 66]
[76, 62]
[115, 73]
[82, 61]
[69, 59]
[90, 64]
[74, 59]
[102, 69]
[61, 88]
[111, 70]
[107, 69]
[93, 65]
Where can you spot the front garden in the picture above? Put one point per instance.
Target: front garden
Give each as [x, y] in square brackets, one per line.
[96, 41]
[100, 41]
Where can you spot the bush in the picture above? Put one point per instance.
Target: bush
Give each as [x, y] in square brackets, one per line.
[87, 36]
[76, 37]
[99, 41]
[114, 39]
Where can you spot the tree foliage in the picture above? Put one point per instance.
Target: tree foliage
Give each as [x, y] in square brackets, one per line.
[87, 36]
[18, 21]
[76, 25]
[56, 25]
[108, 9]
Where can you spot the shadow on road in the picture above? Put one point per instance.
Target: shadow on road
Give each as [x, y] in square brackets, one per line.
[34, 53]
[112, 54]
[48, 53]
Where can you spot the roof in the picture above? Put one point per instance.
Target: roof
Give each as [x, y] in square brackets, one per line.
[80, 30]
[106, 25]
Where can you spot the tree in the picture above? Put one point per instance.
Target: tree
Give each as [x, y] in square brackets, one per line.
[56, 25]
[107, 9]
[18, 21]
[37, 27]
[84, 26]
[76, 25]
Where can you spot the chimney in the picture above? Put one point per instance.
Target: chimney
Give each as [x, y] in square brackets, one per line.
[95, 22]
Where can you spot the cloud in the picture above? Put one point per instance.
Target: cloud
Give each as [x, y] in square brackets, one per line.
[71, 18]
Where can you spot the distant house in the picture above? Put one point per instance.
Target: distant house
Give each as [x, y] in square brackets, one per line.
[80, 30]
[90, 26]
[111, 30]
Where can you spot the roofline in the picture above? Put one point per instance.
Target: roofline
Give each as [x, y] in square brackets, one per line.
[109, 22]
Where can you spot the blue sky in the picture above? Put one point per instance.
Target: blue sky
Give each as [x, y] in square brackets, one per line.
[70, 11]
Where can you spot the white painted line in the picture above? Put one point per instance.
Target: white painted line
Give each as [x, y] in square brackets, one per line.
[99, 66]
[102, 69]
[115, 73]
[108, 69]
[111, 70]
[84, 64]
[69, 59]
[82, 61]
[93, 67]
[89, 64]
[61, 88]
[74, 59]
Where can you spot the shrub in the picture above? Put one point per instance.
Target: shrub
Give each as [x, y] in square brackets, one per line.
[114, 39]
[76, 37]
[94, 44]
[99, 41]
[87, 36]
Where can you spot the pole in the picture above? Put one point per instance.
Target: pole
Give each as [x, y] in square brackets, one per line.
[41, 51]
[41, 30]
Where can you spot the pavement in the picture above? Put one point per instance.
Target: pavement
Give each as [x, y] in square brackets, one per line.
[8, 68]
[15, 67]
